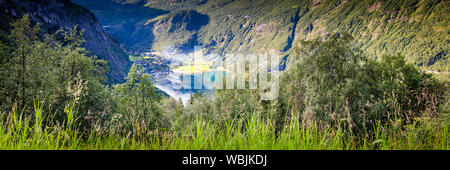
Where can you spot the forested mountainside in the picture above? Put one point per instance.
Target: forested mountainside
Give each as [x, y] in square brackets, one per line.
[418, 29]
[63, 14]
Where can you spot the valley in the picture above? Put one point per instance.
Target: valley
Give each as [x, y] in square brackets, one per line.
[246, 26]
[167, 73]
[255, 27]
[224, 75]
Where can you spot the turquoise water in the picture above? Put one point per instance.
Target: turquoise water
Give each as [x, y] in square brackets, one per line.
[181, 87]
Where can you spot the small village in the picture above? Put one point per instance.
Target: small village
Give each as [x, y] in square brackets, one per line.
[152, 63]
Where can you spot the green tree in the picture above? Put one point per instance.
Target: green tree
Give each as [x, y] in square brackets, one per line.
[79, 78]
[139, 98]
[55, 68]
[406, 91]
[332, 83]
[23, 38]
[6, 86]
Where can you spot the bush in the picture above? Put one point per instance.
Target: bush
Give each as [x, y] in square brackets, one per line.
[138, 103]
[334, 83]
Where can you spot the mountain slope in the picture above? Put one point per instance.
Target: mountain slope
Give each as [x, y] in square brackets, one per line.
[178, 29]
[63, 14]
[418, 29]
[125, 21]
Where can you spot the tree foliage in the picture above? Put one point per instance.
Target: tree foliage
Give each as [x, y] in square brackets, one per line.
[51, 68]
[334, 83]
[139, 100]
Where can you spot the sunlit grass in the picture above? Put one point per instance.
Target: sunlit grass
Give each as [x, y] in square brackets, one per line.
[256, 133]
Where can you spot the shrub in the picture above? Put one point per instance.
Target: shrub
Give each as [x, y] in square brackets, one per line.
[335, 83]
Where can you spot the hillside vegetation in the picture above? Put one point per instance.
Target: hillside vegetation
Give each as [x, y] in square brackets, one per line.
[417, 29]
[63, 14]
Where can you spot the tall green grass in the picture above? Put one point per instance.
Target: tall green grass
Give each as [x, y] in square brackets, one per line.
[255, 133]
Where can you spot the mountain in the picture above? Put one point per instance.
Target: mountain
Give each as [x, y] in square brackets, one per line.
[63, 14]
[418, 29]
[125, 21]
[178, 29]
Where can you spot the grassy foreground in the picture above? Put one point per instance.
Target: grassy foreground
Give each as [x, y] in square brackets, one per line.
[17, 133]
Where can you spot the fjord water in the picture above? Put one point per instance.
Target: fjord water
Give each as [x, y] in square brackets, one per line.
[182, 86]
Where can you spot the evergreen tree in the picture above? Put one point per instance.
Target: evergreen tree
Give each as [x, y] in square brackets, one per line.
[23, 38]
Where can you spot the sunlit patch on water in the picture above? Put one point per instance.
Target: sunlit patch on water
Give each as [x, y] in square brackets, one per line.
[171, 81]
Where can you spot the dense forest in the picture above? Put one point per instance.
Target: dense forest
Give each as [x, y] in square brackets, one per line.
[54, 97]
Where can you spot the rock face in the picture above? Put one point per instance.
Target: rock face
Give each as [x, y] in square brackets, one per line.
[124, 21]
[63, 14]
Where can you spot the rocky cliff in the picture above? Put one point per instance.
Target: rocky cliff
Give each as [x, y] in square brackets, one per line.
[63, 14]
